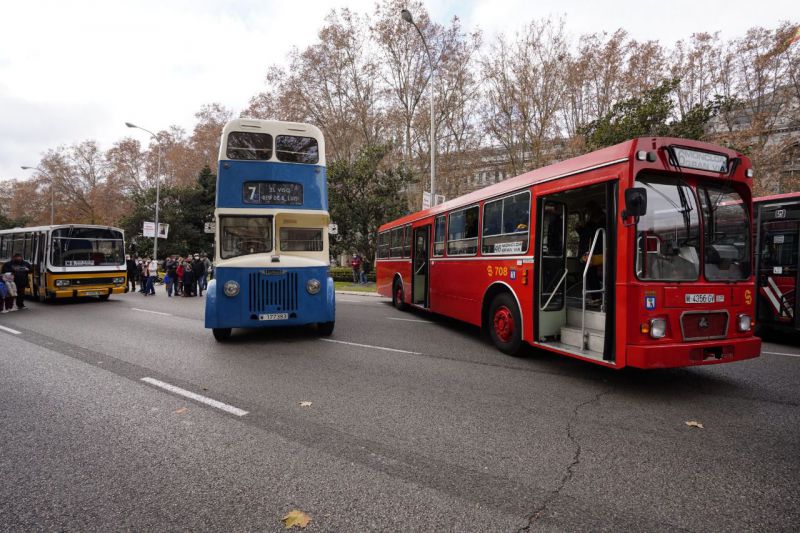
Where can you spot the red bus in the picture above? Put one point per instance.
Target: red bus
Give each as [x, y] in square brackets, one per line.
[638, 255]
[778, 261]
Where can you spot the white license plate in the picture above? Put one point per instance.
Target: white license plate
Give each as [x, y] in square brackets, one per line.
[699, 298]
[92, 293]
[274, 316]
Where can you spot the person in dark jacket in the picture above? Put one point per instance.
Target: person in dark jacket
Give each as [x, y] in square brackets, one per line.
[20, 269]
[133, 270]
[199, 269]
[189, 280]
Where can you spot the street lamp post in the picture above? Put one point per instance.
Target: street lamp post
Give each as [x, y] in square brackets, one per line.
[52, 192]
[158, 184]
[406, 15]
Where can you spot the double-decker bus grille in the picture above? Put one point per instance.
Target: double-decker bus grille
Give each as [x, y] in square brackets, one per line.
[271, 293]
[700, 325]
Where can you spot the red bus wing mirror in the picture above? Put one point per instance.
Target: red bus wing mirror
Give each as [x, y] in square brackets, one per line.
[635, 202]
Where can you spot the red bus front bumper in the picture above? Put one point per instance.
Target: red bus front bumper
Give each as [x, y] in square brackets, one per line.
[696, 353]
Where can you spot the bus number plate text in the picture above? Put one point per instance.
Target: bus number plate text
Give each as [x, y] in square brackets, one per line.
[274, 316]
[699, 298]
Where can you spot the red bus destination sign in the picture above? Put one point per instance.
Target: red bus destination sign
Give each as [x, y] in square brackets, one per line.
[701, 160]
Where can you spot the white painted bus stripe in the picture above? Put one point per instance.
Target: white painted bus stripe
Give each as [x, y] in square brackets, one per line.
[786, 354]
[409, 320]
[371, 346]
[15, 332]
[149, 311]
[196, 397]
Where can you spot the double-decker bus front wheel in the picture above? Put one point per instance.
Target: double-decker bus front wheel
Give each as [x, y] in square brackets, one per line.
[325, 328]
[221, 334]
[505, 324]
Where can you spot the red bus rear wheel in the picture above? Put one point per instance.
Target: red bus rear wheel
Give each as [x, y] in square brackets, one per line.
[505, 324]
[398, 296]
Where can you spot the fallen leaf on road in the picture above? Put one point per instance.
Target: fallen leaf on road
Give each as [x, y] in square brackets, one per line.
[296, 518]
[181, 411]
[305, 404]
[694, 424]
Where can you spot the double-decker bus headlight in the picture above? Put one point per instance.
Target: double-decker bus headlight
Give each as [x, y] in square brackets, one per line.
[231, 288]
[743, 322]
[62, 283]
[313, 286]
[658, 327]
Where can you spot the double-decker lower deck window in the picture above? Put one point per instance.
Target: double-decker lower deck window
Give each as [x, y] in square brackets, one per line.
[244, 235]
[505, 225]
[462, 235]
[301, 239]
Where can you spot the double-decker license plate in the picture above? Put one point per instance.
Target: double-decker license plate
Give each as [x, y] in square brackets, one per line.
[699, 298]
[274, 316]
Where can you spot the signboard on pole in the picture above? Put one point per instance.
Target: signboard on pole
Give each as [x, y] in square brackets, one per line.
[439, 199]
[149, 230]
[333, 229]
[210, 227]
[426, 200]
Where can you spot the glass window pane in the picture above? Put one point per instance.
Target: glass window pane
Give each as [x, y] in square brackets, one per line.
[438, 236]
[462, 236]
[396, 248]
[294, 149]
[87, 247]
[301, 239]
[249, 145]
[407, 243]
[727, 233]
[245, 235]
[505, 225]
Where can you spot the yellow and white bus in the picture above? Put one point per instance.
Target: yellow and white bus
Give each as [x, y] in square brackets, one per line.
[69, 260]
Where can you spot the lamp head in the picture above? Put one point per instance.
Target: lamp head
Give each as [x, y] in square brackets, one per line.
[27, 168]
[131, 125]
[406, 14]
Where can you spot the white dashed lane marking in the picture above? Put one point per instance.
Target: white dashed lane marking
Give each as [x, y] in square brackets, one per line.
[149, 311]
[9, 330]
[196, 397]
[780, 353]
[371, 346]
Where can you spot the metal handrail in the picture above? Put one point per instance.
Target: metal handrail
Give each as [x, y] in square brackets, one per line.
[584, 292]
[552, 294]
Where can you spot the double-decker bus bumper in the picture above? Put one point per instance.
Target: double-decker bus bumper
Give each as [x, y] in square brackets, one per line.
[698, 353]
[263, 299]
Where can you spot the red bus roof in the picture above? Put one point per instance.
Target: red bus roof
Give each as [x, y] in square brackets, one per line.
[778, 197]
[618, 153]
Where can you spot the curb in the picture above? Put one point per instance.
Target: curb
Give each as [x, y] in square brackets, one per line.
[359, 293]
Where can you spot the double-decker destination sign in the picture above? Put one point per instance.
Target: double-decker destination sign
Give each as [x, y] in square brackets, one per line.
[272, 192]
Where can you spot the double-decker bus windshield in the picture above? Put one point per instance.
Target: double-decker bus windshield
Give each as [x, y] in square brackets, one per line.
[87, 247]
[668, 235]
[727, 233]
[244, 235]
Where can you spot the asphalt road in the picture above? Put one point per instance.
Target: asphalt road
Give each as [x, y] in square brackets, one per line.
[415, 424]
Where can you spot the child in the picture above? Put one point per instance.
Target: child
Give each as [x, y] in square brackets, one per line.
[3, 295]
[11, 290]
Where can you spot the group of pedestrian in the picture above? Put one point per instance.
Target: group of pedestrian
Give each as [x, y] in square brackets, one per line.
[13, 282]
[183, 276]
[361, 269]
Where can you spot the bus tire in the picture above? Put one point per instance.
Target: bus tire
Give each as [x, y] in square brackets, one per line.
[222, 334]
[398, 296]
[325, 328]
[505, 324]
[104, 297]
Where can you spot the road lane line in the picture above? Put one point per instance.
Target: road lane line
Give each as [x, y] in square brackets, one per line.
[196, 397]
[409, 320]
[371, 346]
[15, 332]
[786, 354]
[149, 311]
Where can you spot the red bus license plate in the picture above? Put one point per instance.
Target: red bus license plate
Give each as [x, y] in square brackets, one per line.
[699, 298]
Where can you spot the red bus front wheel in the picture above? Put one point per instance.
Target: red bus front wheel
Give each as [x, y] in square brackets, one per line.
[505, 324]
[398, 296]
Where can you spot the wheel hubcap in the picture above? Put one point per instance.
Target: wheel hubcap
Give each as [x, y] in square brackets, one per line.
[504, 324]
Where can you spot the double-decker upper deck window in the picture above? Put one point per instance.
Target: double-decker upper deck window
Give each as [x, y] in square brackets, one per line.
[462, 234]
[249, 145]
[295, 149]
[438, 236]
[505, 225]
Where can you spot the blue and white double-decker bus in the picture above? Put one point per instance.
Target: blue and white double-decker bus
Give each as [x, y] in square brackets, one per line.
[271, 241]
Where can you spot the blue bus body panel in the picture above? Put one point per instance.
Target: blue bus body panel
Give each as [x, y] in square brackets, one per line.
[269, 291]
[233, 174]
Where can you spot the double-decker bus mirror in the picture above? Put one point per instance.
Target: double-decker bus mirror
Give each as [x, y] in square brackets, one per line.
[635, 202]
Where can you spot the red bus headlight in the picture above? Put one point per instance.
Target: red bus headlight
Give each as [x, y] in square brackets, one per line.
[743, 322]
[658, 327]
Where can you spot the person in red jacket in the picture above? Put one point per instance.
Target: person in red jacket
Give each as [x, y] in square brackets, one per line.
[355, 264]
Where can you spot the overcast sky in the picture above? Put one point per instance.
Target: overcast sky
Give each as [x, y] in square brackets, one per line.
[72, 70]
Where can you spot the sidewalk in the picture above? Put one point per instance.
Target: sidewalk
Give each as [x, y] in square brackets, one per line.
[361, 293]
